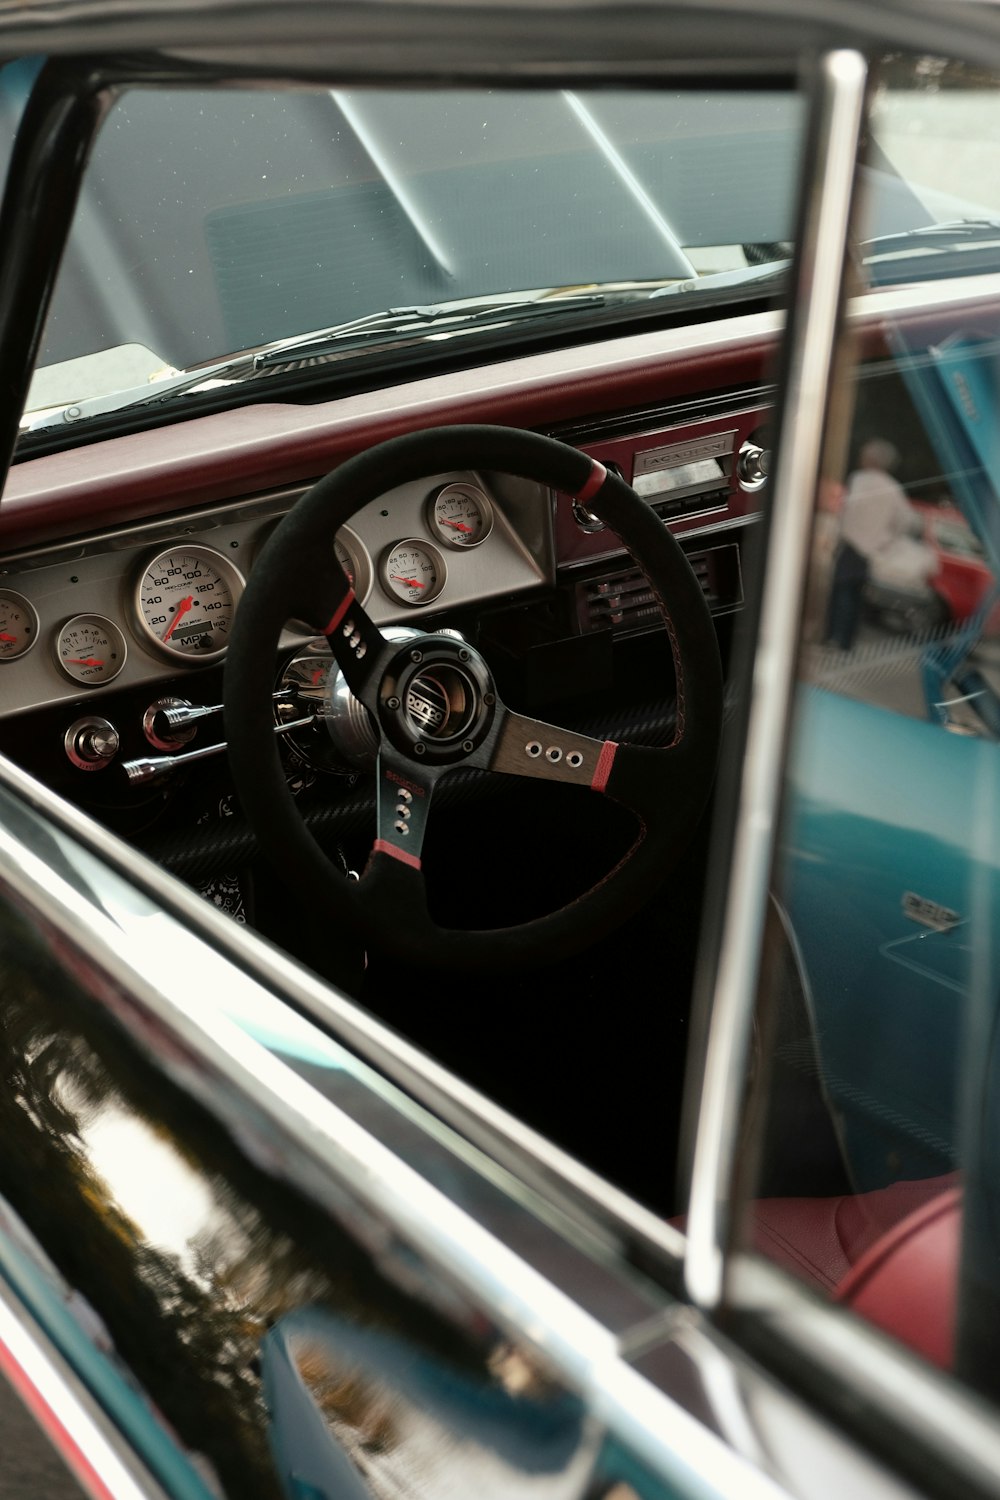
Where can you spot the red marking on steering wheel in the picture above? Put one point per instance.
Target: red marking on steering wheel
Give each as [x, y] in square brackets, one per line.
[382, 846]
[605, 761]
[340, 612]
[598, 474]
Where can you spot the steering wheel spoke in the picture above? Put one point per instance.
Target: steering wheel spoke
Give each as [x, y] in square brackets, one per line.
[403, 798]
[530, 747]
[357, 643]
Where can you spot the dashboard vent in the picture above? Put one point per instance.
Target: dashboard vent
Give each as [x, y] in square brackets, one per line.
[623, 601]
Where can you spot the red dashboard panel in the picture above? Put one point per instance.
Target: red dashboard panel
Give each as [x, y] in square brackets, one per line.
[258, 448]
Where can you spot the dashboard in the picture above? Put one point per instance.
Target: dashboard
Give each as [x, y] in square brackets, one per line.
[111, 645]
[122, 562]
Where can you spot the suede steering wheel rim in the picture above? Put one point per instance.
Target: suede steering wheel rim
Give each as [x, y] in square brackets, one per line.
[296, 576]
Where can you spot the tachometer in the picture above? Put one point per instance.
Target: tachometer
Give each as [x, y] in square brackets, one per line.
[460, 515]
[185, 601]
[412, 572]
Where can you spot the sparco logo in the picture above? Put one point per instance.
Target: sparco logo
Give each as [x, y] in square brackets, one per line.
[426, 703]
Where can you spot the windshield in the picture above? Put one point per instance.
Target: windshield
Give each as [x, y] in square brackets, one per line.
[213, 222]
[217, 221]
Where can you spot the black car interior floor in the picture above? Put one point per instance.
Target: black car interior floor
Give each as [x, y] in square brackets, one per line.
[589, 1051]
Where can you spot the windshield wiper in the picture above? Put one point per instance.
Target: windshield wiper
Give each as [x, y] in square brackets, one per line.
[402, 319]
[373, 328]
[933, 238]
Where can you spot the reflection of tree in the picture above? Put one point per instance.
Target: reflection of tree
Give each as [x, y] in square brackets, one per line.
[186, 1347]
[188, 1331]
[354, 1407]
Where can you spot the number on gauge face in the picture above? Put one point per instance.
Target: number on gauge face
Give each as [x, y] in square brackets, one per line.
[460, 515]
[412, 572]
[185, 602]
[90, 649]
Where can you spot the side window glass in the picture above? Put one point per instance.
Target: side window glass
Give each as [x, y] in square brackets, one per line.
[875, 1105]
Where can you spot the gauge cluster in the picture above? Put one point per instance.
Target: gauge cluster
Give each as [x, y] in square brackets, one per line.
[155, 601]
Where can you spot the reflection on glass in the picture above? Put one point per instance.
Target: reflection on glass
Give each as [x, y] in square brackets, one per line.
[257, 1343]
[875, 1105]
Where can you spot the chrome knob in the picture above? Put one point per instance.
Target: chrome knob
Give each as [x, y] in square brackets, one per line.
[91, 743]
[163, 728]
[753, 465]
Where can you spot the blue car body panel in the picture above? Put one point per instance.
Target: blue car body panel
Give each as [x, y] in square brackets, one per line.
[882, 807]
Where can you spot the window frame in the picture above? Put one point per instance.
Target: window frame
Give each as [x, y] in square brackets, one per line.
[932, 1431]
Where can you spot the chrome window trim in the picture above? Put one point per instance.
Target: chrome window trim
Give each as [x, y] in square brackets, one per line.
[813, 327]
[89, 1444]
[282, 1121]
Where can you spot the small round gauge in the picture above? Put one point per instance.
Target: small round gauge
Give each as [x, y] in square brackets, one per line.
[460, 515]
[185, 600]
[412, 572]
[18, 625]
[90, 649]
[353, 558]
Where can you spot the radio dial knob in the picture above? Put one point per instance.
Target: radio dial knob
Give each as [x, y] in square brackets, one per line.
[753, 465]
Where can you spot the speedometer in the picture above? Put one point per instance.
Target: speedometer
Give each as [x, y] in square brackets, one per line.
[185, 600]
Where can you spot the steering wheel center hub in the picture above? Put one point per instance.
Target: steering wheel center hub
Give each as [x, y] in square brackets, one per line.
[436, 700]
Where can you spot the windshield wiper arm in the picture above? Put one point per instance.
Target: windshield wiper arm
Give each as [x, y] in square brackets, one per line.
[401, 319]
[742, 278]
[938, 238]
[318, 345]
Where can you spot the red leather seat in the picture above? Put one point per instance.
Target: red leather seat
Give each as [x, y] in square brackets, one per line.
[907, 1282]
[891, 1255]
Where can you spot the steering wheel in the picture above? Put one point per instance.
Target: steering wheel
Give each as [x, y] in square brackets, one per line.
[296, 576]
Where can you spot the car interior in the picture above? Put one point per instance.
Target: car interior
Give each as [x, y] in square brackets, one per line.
[405, 560]
[117, 554]
[453, 543]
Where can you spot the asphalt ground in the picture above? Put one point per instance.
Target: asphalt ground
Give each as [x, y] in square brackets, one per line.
[885, 669]
[30, 1468]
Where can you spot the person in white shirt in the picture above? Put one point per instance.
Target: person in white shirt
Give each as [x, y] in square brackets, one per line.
[875, 514]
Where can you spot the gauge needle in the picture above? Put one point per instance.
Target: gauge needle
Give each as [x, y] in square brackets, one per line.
[413, 582]
[5, 637]
[182, 610]
[84, 661]
[458, 525]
